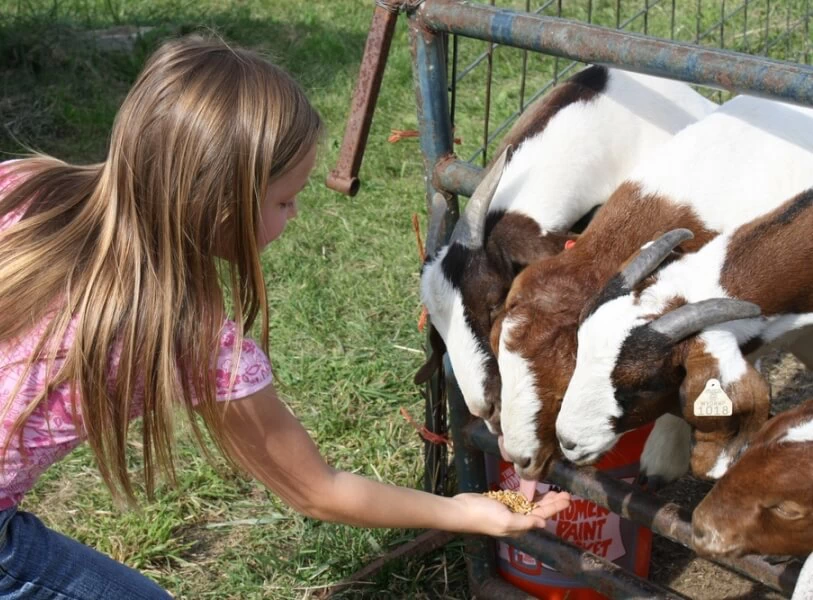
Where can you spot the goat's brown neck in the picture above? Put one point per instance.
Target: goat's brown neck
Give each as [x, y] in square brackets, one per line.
[628, 221]
[768, 260]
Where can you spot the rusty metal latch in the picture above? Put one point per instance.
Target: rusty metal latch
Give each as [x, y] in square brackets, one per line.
[344, 177]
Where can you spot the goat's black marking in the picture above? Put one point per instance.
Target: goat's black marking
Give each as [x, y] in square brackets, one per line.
[615, 288]
[794, 210]
[455, 263]
[580, 225]
[593, 77]
[492, 218]
[639, 369]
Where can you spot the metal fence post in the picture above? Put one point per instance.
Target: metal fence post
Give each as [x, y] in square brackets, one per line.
[429, 73]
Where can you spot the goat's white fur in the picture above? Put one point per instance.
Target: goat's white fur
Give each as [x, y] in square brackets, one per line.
[668, 449]
[585, 152]
[519, 436]
[800, 433]
[445, 304]
[804, 585]
[589, 148]
[721, 465]
[739, 163]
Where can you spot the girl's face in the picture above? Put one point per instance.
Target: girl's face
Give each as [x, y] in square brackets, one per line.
[279, 204]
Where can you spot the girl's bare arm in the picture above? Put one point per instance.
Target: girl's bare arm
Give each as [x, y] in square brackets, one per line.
[273, 446]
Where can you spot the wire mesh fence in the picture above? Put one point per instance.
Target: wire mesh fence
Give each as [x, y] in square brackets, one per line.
[490, 85]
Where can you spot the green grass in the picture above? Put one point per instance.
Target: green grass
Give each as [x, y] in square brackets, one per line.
[342, 282]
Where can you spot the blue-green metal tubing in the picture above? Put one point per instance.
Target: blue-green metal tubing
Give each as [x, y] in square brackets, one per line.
[603, 576]
[721, 69]
[429, 73]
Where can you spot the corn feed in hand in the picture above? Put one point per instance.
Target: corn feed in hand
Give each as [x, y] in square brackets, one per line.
[516, 502]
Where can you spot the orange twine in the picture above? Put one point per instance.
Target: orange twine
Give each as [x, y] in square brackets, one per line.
[429, 436]
[416, 226]
[396, 135]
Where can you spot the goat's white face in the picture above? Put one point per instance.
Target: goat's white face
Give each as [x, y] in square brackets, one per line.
[444, 302]
[520, 404]
[585, 425]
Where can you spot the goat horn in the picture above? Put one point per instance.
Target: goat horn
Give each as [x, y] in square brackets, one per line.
[436, 215]
[653, 255]
[469, 229]
[692, 318]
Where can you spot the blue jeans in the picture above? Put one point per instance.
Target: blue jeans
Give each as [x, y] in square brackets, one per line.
[37, 563]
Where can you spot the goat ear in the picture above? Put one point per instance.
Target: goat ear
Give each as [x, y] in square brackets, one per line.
[435, 360]
[750, 395]
[511, 252]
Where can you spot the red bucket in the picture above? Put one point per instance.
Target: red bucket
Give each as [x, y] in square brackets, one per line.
[583, 524]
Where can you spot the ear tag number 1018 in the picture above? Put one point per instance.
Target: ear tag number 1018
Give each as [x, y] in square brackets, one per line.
[713, 401]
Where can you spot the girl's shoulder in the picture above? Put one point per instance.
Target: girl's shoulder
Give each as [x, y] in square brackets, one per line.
[240, 370]
[8, 179]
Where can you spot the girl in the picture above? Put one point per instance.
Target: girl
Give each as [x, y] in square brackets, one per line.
[111, 308]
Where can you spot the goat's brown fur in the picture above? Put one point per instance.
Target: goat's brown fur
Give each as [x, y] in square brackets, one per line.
[776, 246]
[549, 296]
[750, 396]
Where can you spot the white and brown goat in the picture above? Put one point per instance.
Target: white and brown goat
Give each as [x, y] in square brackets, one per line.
[736, 164]
[572, 149]
[647, 349]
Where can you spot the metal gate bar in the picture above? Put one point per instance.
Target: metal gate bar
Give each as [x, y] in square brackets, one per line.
[721, 69]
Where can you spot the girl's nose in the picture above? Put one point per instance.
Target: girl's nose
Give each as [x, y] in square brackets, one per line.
[293, 211]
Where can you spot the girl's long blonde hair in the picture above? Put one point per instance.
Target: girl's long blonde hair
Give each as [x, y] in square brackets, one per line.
[128, 247]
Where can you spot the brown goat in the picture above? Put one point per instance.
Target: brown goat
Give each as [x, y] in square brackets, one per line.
[764, 503]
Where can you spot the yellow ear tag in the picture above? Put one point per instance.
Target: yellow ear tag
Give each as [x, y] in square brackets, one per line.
[713, 401]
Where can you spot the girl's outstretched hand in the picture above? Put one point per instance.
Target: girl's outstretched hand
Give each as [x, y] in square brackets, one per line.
[490, 517]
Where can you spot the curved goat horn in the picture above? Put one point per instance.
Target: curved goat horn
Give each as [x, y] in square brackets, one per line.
[653, 255]
[469, 229]
[692, 318]
[436, 215]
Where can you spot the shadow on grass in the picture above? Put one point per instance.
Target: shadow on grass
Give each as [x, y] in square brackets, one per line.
[61, 81]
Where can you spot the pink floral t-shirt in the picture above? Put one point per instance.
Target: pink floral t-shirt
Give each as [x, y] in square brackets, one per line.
[51, 432]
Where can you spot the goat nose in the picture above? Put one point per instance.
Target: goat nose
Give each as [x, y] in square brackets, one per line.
[566, 443]
[523, 463]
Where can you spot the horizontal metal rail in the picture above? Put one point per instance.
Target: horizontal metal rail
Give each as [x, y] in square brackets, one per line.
[603, 576]
[732, 71]
[664, 518]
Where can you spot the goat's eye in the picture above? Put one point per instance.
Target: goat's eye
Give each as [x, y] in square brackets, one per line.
[788, 510]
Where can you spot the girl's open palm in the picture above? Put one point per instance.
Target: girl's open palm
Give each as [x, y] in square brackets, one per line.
[490, 517]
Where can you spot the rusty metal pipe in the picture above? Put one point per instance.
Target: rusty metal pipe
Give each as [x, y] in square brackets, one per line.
[664, 518]
[456, 176]
[603, 576]
[496, 588]
[344, 177]
[720, 69]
